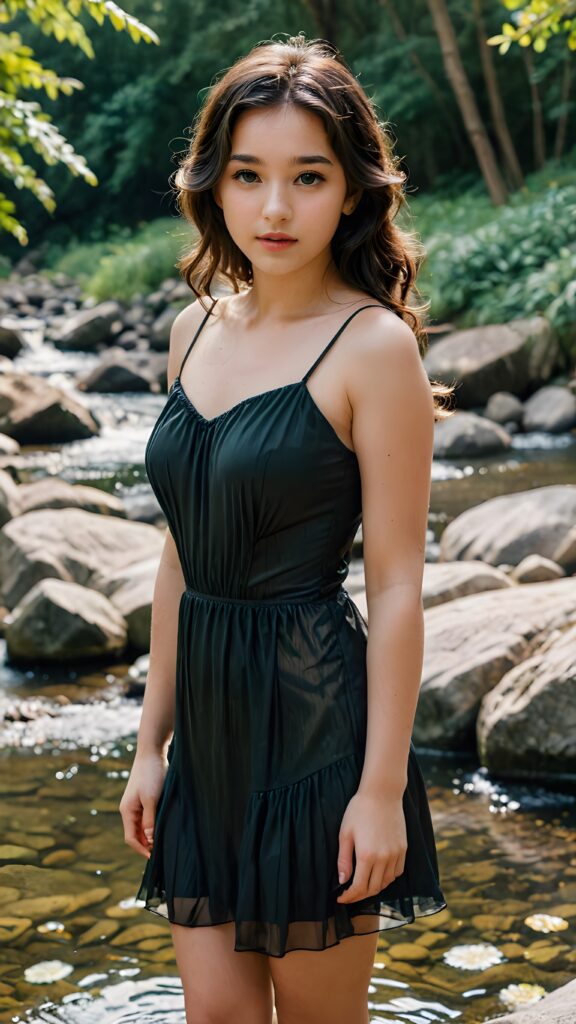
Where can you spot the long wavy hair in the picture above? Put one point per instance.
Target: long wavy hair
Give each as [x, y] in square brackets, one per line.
[369, 251]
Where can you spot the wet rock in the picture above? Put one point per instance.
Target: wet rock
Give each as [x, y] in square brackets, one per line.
[565, 553]
[536, 569]
[59, 858]
[541, 689]
[409, 951]
[160, 331]
[99, 932]
[61, 621]
[90, 328]
[552, 409]
[11, 852]
[12, 928]
[8, 446]
[131, 591]
[558, 1007]
[116, 374]
[504, 408]
[50, 492]
[511, 526]
[466, 433]
[39, 908]
[137, 933]
[471, 642]
[72, 545]
[445, 581]
[35, 412]
[11, 343]
[496, 357]
[10, 498]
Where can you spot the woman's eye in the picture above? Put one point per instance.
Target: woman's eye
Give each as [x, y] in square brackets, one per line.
[308, 174]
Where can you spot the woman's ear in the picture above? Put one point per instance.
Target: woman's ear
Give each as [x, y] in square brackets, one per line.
[216, 197]
[351, 203]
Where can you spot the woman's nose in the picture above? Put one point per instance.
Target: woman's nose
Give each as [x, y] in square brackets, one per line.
[276, 203]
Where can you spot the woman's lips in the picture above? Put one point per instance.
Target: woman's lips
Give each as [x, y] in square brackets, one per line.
[276, 244]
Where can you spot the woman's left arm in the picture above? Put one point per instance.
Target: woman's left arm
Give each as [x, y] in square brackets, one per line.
[393, 436]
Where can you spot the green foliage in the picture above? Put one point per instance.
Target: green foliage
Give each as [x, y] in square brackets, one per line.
[23, 122]
[535, 23]
[127, 262]
[520, 262]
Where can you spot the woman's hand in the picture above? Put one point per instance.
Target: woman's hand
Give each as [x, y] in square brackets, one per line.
[138, 804]
[374, 828]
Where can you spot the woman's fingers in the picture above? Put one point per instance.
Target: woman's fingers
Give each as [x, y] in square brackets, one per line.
[133, 835]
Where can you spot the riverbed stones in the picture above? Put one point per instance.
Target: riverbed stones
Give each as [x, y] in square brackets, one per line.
[72, 545]
[10, 498]
[467, 434]
[11, 343]
[50, 492]
[61, 621]
[12, 928]
[471, 642]
[445, 581]
[131, 591]
[557, 1007]
[551, 408]
[504, 408]
[90, 328]
[512, 357]
[116, 373]
[32, 411]
[507, 528]
[541, 689]
[536, 569]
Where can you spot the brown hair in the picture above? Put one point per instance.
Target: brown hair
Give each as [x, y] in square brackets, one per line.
[369, 251]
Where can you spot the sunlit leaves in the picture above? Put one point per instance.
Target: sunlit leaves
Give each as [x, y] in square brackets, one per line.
[535, 23]
[23, 122]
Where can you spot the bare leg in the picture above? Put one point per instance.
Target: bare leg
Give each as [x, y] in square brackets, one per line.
[328, 986]
[220, 983]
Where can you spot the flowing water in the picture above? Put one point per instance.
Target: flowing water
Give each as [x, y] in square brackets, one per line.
[76, 947]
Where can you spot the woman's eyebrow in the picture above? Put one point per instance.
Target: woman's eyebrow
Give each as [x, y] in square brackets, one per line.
[245, 158]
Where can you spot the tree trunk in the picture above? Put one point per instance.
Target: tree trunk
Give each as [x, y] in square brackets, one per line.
[501, 129]
[560, 140]
[466, 101]
[402, 34]
[538, 137]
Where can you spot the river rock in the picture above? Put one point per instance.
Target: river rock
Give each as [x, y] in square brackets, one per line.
[445, 581]
[11, 343]
[160, 331]
[509, 527]
[557, 1007]
[12, 927]
[57, 620]
[496, 357]
[90, 328]
[541, 689]
[72, 545]
[35, 412]
[50, 492]
[10, 498]
[536, 569]
[115, 374]
[471, 642]
[8, 446]
[552, 409]
[131, 591]
[565, 553]
[504, 408]
[466, 433]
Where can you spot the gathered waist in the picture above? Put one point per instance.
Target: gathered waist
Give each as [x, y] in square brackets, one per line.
[338, 594]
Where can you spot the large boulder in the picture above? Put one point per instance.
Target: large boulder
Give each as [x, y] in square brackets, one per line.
[509, 527]
[445, 581]
[61, 621]
[541, 689]
[50, 492]
[465, 433]
[90, 328]
[471, 642]
[131, 591]
[34, 412]
[552, 409]
[70, 544]
[513, 357]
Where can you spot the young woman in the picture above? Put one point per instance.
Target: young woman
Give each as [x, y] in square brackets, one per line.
[275, 789]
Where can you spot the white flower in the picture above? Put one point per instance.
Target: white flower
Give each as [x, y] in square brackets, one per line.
[477, 957]
[523, 994]
[47, 971]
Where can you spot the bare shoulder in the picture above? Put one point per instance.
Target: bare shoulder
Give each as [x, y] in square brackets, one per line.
[384, 357]
[183, 329]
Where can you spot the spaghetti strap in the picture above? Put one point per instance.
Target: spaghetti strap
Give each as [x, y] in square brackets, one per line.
[336, 336]
[191, 345]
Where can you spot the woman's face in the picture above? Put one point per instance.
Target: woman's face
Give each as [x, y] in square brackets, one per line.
[282, 177]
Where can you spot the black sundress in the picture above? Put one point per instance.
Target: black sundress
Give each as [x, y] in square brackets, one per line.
[264, 501]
